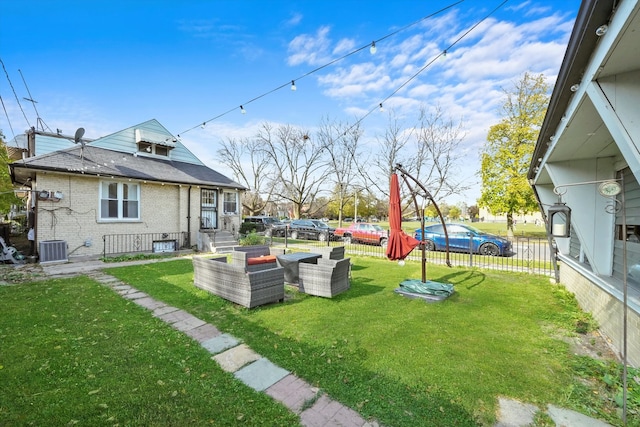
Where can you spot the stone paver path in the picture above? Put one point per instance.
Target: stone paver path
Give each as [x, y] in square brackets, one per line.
[315, 409]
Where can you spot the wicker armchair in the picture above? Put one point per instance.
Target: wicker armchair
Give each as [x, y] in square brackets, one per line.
[233, 283]
[330, 252]
[327, 278]
[256, 257]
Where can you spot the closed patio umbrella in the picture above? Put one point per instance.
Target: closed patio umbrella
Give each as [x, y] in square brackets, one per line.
[400, 244]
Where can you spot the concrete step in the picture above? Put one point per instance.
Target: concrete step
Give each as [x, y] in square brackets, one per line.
[222, 241]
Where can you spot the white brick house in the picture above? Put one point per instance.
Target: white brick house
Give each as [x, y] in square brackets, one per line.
[137, 190]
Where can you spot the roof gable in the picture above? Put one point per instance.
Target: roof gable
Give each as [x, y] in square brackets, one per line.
[126, 141]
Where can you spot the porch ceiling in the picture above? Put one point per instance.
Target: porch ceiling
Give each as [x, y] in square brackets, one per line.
[584, 137]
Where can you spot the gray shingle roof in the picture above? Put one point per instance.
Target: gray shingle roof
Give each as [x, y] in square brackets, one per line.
[102, 162]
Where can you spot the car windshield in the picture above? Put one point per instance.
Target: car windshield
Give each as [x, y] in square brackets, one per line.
[475, 230]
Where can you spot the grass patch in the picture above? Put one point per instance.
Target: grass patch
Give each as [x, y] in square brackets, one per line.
[74, 352]
[406, 362]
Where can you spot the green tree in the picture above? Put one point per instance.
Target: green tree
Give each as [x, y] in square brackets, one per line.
[430, 212]
[7, 196]
[454, 212]
[506, 155]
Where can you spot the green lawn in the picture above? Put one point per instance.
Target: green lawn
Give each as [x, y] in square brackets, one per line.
[403, 362]
[74, 352]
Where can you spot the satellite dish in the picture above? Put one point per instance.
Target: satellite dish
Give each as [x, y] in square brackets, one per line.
[79, 135]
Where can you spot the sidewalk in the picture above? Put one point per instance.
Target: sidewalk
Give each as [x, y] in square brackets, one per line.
[314, 408]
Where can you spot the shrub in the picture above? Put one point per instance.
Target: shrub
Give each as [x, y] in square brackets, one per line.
[252, 239]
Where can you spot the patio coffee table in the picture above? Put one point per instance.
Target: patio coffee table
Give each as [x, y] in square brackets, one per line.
[290, 264]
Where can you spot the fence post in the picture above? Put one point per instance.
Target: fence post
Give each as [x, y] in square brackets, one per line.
[470, 251]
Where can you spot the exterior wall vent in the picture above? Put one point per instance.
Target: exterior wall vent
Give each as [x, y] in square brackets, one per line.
[53, 251]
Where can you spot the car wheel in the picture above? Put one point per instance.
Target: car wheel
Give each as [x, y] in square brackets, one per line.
[294, 235]
[322, 237]
[429, 245]
[346, 239]
[383, 243]
[490, 249]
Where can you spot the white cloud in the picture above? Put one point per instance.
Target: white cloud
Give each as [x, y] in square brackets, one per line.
[310, 49]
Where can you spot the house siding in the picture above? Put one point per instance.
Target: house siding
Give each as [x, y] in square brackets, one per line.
[124, 141]
[607, 310]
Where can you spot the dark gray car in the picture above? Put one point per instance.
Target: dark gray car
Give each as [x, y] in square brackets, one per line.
[310, 229]
[267, 225]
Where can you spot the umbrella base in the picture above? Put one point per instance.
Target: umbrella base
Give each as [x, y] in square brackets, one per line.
[428, 291]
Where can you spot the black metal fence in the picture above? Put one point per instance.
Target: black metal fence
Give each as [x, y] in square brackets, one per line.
[529, 255]
[118, 244]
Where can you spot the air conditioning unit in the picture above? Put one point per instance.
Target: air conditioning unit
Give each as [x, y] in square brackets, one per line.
[53, 251]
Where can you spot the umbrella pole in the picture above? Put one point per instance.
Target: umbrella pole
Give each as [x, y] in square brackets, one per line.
[424, 250]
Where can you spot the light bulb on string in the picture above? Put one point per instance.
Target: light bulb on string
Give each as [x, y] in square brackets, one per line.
[381, 108]
[373, 49]
[293, 86]
[444, 54]
[242, 110]
[203, 125]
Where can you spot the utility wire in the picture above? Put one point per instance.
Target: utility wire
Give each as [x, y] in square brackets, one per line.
[33, 102]
[14, 92]
[323, 66]
[4, 107]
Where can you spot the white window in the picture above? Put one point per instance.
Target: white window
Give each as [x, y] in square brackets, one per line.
[119, 201]
[230, 203]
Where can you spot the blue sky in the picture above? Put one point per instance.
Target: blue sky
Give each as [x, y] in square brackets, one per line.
[109, 65]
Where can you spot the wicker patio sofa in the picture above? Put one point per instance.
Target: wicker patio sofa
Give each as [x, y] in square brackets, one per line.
[255, 257]
[233, 283]
[327, 278]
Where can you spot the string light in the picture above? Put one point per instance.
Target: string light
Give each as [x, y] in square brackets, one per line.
[381, 109]
[473, 27]
[293, 85]
[203, 125]
[372, 49]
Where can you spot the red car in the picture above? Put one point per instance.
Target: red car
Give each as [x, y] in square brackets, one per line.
[363, 232]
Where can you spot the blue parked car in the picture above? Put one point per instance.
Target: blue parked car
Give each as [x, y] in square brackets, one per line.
[461, 237]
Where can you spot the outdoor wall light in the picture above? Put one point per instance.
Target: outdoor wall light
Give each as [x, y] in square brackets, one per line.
[559, 220]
